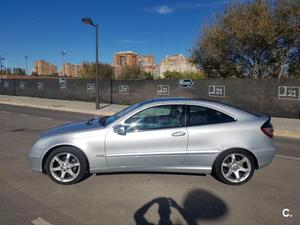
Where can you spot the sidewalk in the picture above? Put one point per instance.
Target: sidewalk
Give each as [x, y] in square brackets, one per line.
[62, 105]
[283, 127]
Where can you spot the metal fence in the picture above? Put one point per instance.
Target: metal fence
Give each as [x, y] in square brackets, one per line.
[274, 97]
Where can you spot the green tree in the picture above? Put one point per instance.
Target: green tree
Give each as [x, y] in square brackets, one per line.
[15, 71]
[148, 76]
[255, 39]
[130, 73]
[88, 71]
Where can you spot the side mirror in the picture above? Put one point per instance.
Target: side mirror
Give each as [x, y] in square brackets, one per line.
[120, 129]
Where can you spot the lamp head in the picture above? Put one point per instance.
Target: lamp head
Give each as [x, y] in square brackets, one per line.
[88, 21]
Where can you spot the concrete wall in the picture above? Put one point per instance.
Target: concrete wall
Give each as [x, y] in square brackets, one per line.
[274, 97]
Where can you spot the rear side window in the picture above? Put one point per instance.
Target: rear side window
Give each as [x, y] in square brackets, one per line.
[198, 115]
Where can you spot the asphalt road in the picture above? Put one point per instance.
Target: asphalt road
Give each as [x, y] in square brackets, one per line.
[134, 198]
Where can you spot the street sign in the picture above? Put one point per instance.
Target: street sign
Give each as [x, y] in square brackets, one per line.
[163, 89]
[22, 85]
[91, 87]
[289, 92]
[216, 90]
[63, 84]
[123, 89]
[40, 86]
[185, 83]
[5, 84]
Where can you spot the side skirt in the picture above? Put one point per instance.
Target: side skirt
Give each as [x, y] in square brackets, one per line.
[169, 169]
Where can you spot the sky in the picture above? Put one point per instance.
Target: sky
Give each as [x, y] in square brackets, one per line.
[41, 29]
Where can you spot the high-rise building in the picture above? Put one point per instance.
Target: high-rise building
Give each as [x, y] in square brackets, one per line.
[70, 70]
[178, 63]
[129, 58]
[122, 59]
[44, 68]
[147, 64]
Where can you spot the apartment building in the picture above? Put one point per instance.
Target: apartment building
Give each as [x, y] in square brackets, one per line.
[44, 68]
[178, 63]
[70, 70]
[130, 58]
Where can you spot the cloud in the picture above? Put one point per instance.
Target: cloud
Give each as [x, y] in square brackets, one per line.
[162, 10]
[165, 9]
[128, 41]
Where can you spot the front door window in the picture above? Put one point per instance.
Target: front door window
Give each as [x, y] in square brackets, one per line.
[158, 117]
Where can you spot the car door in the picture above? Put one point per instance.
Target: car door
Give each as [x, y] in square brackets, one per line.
[206, 128]
[155, 136]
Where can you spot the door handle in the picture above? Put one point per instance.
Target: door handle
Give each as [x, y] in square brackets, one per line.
[178, 133]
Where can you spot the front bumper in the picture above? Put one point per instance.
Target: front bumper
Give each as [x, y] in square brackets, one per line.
[35, 164]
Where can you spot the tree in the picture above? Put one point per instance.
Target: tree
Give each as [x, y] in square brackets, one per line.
[130, 73]
[88, 71]
[256, 39]
[148, 76]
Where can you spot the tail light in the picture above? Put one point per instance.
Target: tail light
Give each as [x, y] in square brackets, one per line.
[267, 129]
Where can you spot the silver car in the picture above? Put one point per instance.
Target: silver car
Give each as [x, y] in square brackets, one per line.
[159, 135]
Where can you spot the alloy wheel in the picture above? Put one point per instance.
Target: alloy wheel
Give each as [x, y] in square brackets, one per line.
[64, 167]
[236, 167]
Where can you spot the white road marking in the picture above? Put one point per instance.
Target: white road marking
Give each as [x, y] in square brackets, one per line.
[22, 114]
[40, 221]
[287, 157]
[45, 118]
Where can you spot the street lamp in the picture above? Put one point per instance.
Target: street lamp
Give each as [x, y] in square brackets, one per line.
[89, 21]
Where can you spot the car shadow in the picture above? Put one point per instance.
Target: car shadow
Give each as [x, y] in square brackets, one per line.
[198, 205]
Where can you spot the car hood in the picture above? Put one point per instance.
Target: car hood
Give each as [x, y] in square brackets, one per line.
[80, 126]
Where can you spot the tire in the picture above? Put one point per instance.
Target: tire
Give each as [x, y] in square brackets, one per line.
[234, 167]
[66, 165]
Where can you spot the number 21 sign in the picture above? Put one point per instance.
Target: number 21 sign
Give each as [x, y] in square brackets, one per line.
[216, 90]
[289, 92]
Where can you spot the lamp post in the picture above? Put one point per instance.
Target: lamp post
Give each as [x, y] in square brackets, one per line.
[89, 21]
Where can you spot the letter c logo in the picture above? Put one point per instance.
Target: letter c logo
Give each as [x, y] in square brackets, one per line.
[285, 213]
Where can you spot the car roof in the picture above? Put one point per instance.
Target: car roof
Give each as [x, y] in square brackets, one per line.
[172, 99]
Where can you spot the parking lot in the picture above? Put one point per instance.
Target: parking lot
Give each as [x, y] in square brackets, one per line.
[137, 198]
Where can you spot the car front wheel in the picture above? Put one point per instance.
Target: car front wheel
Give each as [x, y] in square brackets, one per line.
[66, 165]
[234, 167]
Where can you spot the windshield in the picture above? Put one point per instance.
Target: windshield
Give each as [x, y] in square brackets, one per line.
[123, 112]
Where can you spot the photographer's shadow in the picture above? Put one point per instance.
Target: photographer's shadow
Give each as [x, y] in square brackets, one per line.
[199, 204]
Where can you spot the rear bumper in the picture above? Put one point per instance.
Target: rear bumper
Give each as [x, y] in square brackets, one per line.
[264, 156]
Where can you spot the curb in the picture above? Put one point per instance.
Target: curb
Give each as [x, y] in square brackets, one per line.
[277, 133]
[286, 133]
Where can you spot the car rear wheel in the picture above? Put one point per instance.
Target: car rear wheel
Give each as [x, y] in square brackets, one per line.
[235, 166]
[66, 165]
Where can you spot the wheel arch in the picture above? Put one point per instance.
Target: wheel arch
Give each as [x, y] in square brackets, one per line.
[48, 152]
[243, 149]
